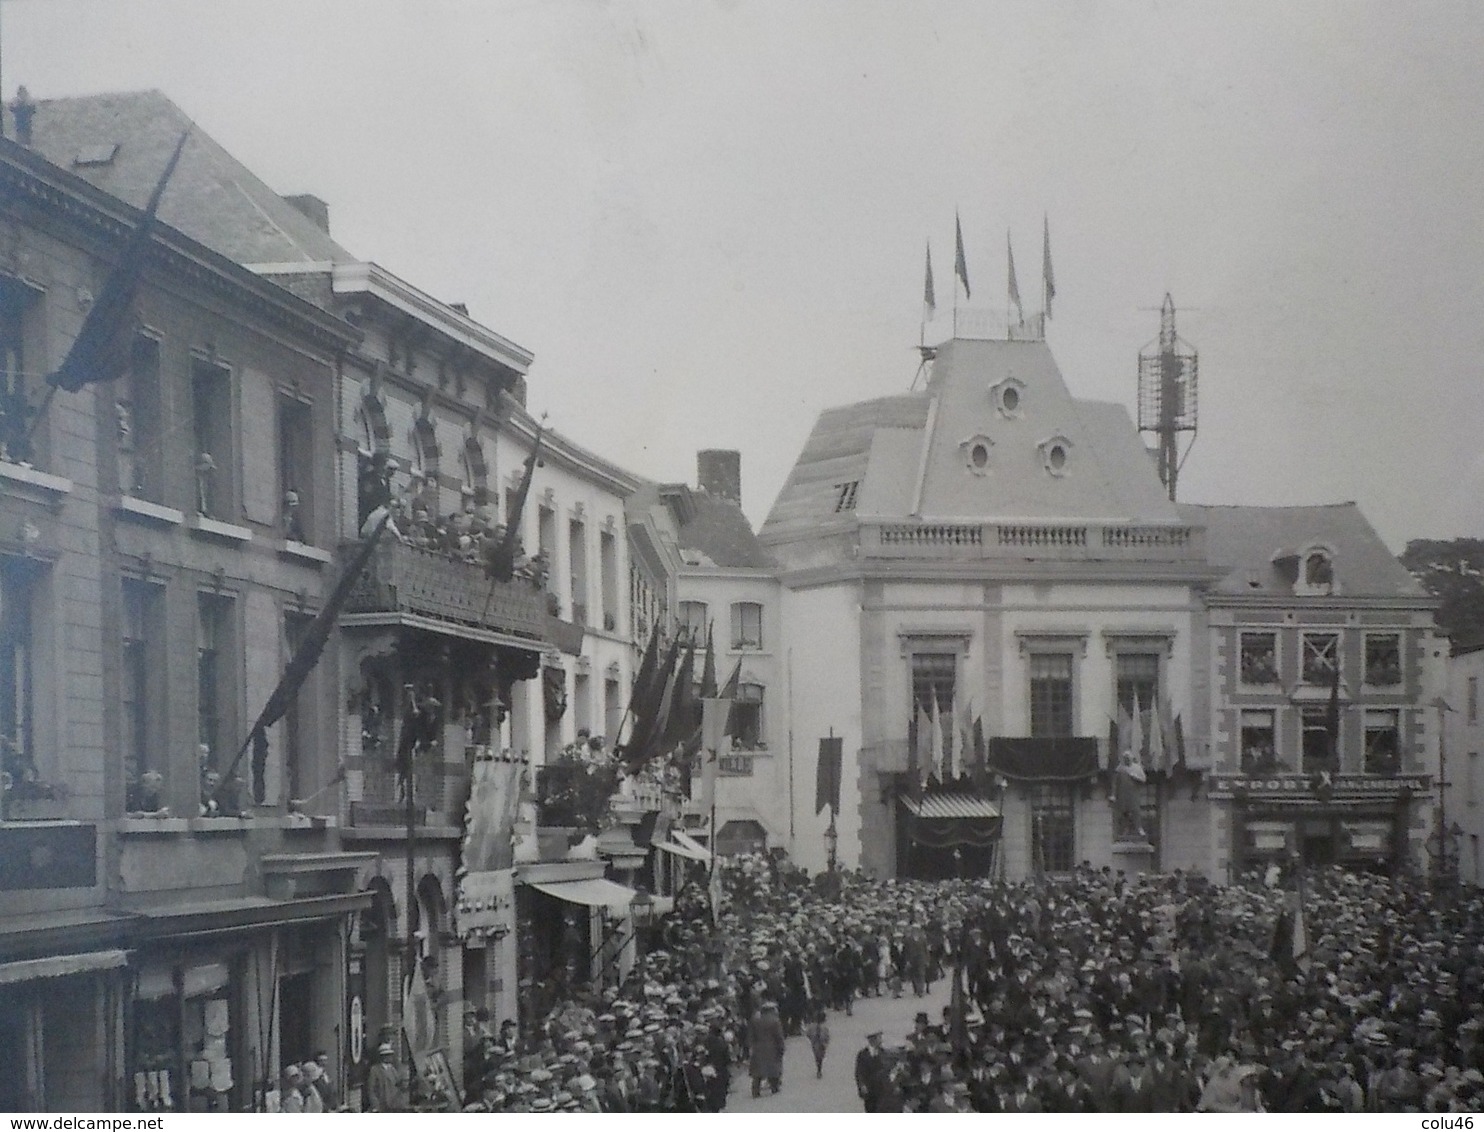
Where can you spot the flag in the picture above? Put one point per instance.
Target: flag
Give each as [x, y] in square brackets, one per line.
[419, 1021]
[104, 346]
[1048, 279]
[1115, 738]
[651, 712]
[643, 681]
[1156, 737]
[684, 716]
[960, 264]
[1013, 285]
[306, 655]
[500, 557]
[827, 775]
[929, 299]
[1136, 731]
[1179, 731]
[936, 753]
[923, 748]
[1332, 715]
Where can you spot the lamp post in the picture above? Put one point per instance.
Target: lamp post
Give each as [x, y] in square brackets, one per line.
[641, 911]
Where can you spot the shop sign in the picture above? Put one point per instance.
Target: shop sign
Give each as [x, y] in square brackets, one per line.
[1339, 787]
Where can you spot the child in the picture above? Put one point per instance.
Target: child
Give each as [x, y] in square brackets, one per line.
[818, 1033]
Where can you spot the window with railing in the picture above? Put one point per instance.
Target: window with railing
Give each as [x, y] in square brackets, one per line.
[19, 305]
[1258, 662]
[17, 755]
[141, 678]
[1321, 655]
[215, 682]
[1052, 709]
[1383, 659]
[1259, 743]
[747, 718]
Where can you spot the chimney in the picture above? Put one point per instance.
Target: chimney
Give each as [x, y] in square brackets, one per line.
[719, 472]
[314, 208]
[24, 111]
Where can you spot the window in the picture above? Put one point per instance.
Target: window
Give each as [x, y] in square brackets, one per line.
[611, 708]
[546, 532]
[608, 564]
[1051, 694]
[1259, 743]
[747, 625]
[214, 682]
[1056, 455]
[1258, 662]
[1471, 783]
[934, 678]
[1318, 572]
[1137, 677]
[582, 702]
[747, 718]
[1382, 742]
[296, 468]
[845, 496]
[1473, 695]
[140, 425]
[577, 568]
[211, 424]
[1383, 658]
[17, 754]
[1317, 752]
[140, 679]
[1053, 828]
[17, 301]
[693, 619]
[978, 451]
[1320, 654]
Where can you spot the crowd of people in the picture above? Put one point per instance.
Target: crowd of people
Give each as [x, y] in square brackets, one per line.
[1086, 993]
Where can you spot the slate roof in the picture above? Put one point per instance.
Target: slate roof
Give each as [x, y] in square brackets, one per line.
[707, 529]
[892, 443]
[212, 197]
[1245, 539]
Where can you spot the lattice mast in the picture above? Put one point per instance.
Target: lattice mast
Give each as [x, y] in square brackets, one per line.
[1167, 396]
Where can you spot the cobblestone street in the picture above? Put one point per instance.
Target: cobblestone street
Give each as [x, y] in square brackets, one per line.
[835, 1091]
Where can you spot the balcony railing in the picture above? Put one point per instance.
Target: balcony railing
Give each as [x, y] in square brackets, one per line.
[407, 579]
[1077, 541]
[437, 794]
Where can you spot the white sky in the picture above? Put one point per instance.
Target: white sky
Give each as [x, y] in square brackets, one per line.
[707, 218]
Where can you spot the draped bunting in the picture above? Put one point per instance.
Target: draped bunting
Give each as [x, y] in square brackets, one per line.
[1058, 759]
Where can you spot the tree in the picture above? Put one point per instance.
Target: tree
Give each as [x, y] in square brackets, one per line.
[1452, 570]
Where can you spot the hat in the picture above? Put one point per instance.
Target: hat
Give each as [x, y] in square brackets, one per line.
[313, 1071]
[873, 1034]
[385, 1049]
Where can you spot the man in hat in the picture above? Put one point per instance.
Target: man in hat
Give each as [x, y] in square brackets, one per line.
[765, 1040]
[871, 1073]
[383, 1089]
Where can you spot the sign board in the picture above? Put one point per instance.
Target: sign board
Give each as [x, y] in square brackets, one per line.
[1340, 787]
[486, 903]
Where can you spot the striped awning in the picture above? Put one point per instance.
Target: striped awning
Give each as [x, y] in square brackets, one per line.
[682, 851]
[593, 892]
[936, 807]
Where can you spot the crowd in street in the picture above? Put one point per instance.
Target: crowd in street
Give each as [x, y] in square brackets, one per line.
[1087, 993]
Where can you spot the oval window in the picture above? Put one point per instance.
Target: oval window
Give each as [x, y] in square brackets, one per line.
[1056, 458]
[979, 456]
[1010, 398]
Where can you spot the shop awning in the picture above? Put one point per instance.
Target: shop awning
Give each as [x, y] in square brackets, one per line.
[939, 806]
[680, 837]
[245, 912]
[681, 851]
[595, 892]
[59, 966]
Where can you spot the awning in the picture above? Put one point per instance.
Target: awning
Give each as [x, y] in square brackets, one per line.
[244, 913]
[59, 966]
[681, 851]
[938, 806]
[594, 892]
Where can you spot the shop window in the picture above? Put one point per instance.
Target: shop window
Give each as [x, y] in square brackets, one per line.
[1259, 743]
[747, 718]
[1053, 828]
[211, 425]
[1051, 695]
[1321, 653]
[1383, 659]
[141, 424]
[17, 753]
[141, 679]
[1318, 750]
[1382, 743]
[693, 620]
[296, 468]
[1259, 658]
[747, 625]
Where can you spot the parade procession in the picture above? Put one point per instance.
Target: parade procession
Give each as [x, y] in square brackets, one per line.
[391, 723]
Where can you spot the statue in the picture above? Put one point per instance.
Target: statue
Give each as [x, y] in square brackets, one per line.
[293, 522]
[205, 470]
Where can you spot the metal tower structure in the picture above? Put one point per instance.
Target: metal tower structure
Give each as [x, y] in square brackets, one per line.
[1167, 395]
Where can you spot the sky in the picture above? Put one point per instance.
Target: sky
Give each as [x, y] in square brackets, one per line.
[707, 218]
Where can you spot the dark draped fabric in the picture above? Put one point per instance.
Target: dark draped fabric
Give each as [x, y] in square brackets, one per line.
[1059, 759]
[945, 833]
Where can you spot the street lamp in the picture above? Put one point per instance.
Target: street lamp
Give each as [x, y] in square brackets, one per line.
[641, 909]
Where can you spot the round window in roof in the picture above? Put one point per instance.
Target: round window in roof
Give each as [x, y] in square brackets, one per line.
[1008, 397]
[1056, 455]
[978, 454]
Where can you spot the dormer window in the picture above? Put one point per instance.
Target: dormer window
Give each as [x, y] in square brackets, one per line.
[845, 496]
[1056, 455]
[1316, 572]
[978, 451]
[1008, 397]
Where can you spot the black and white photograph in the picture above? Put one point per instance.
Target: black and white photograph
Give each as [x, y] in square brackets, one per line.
[741, 556]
